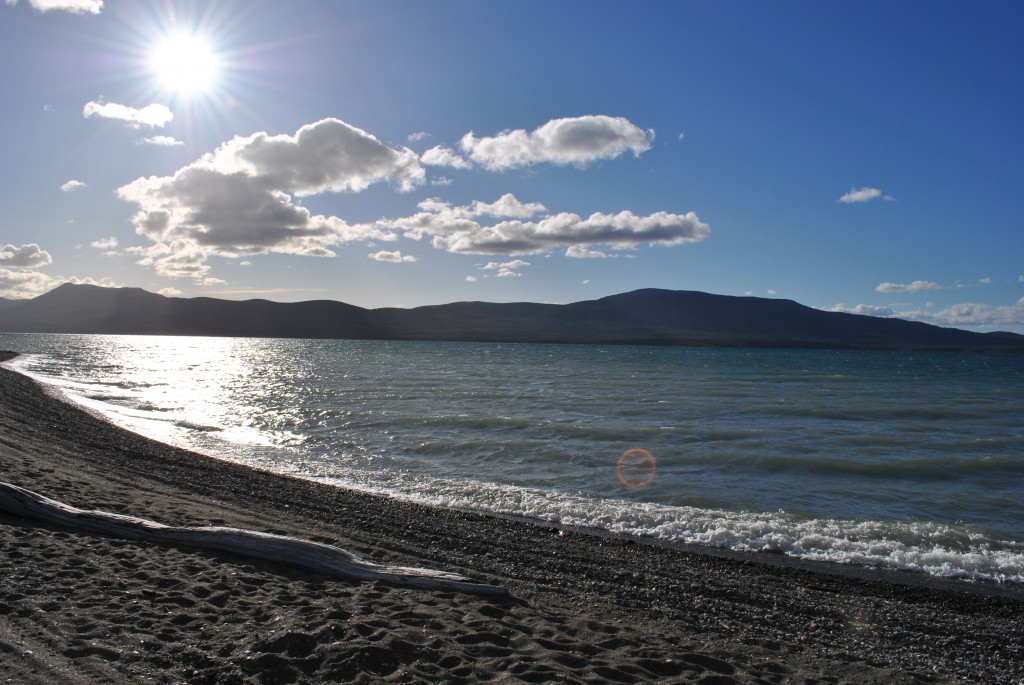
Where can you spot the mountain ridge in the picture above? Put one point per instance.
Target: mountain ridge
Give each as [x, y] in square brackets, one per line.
[648, 316]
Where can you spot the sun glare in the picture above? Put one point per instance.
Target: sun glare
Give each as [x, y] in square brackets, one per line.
[185, 64]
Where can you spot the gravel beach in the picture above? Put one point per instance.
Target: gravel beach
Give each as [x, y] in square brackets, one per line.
[583, 608]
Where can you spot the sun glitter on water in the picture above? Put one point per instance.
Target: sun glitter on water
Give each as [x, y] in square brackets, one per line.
[636, 468]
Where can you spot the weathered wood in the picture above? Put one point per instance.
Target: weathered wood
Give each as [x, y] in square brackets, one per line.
[305, 554]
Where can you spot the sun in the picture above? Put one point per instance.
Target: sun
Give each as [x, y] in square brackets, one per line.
[185, 63]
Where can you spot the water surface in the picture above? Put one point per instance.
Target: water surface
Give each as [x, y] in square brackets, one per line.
[905, 460]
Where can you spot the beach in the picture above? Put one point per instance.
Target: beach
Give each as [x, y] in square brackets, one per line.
[582, 608]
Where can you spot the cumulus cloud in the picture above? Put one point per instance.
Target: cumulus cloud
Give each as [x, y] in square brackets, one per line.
[578, 141]
[974, 315]
[237, 200]
[471, 279]
[395, 257]
[170, 292]
[506, 205]
[72, 185]
[506, 269]
[864, 309]
[151, 115]
[23, 283]
[916, 286]
[864, 195]
[514, 264]
[29, 256]
[164, 141]
[582, 252]
[418, 136]
[27, 283]
[519, 230]
[444, 156]
[104, 243]
[103, 282]
[73, 6]
[328, 155]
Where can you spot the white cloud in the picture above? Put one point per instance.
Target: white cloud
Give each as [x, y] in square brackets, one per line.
[418, 136]
[916, 286]
[444, 156]
[328, 155]
[237, 200]
[507, 205]
[582, 252]
[506, 269]
[17, 283]
[441, 181]
[471, 279]
[104, 243]
[578, 141]
[1021, 278]
[985, 281]
[25, 283]
[73, 6]
[103, 282]
[164, 141]
[25, 257]
[208, 281]
[151, 115]
[864, 309]
[170, 292]
[395, 257]
[456, 229]
[974, 315]
[72, 185]
[864, 195]
[624, 229]
[514, 264]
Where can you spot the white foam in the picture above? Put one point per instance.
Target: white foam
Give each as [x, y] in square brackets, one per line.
[926, 547]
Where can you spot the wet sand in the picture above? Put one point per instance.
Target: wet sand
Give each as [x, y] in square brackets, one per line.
[80, 608]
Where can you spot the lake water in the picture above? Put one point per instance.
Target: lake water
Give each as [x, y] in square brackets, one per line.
[896, 459]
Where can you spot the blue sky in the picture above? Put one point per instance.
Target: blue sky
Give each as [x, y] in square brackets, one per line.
[862, 157]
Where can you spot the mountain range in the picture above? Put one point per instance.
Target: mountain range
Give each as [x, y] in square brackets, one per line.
[648, 316]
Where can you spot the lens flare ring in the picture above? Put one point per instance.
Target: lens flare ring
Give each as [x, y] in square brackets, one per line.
[636, 468]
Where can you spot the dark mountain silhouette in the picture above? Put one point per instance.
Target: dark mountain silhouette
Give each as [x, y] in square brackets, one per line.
[659, 317]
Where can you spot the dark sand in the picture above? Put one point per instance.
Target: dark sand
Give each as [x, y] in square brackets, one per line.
[77, 608]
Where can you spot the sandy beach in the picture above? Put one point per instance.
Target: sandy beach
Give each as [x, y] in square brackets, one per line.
[583, 608]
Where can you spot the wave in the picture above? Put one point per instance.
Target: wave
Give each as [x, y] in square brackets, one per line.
[930, 468]
[937, 549]
[879, 413]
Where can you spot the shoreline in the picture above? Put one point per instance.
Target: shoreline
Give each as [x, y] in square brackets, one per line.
[584, 607]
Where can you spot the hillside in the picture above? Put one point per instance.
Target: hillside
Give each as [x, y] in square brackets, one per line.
[649, 316]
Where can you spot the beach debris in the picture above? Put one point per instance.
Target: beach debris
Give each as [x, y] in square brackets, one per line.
[281, 549]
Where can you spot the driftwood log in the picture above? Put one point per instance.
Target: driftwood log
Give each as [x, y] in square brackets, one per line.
[304, 554]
